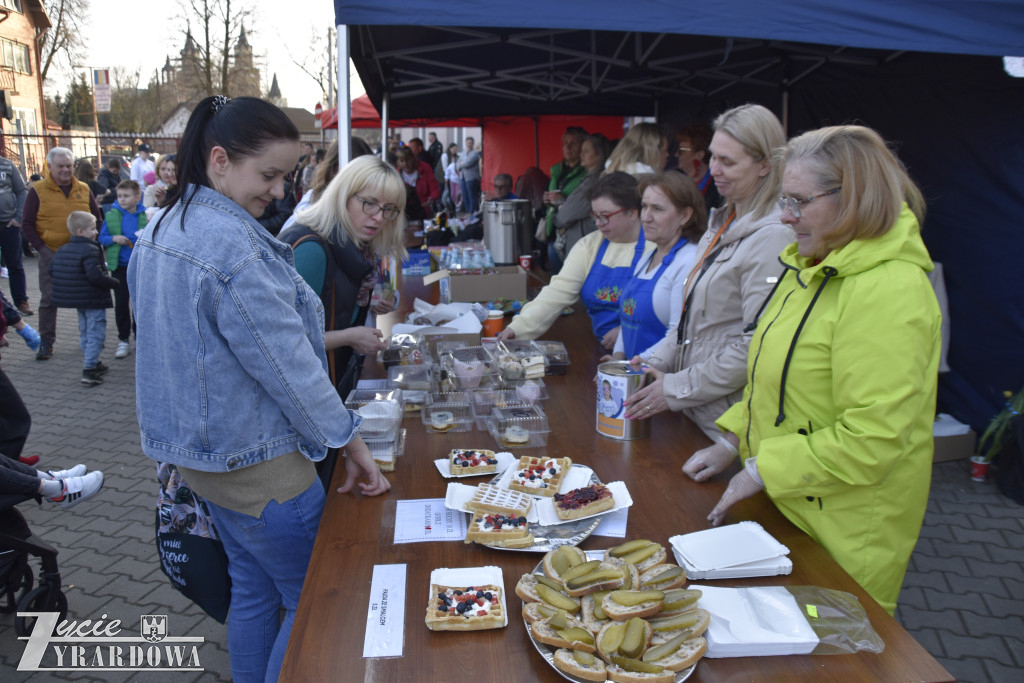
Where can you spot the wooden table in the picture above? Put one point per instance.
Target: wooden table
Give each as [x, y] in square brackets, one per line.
[356, 533]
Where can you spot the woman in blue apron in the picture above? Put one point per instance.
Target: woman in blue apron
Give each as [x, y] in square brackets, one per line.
[597, 269]
[674, 217]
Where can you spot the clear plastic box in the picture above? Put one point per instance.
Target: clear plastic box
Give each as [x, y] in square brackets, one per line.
[443, 347]
[518, 360]
[403, 349]
[411, 377]
[357, 398]
[468, 368]
[447, 416]
[519, 426]
[386, 452]
[557, 355]
[485, 400]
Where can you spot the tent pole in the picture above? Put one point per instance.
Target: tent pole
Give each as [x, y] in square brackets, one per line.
[785, 112]
[536, 142]
[385, 114]
[344, 95]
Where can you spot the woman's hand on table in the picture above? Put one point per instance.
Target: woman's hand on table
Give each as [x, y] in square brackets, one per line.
[609, 339]
[707, 462]
[740, 487]
[651, 399]
[505, 334]
[359, 464]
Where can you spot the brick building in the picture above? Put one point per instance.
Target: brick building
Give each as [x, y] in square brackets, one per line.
[22, 25]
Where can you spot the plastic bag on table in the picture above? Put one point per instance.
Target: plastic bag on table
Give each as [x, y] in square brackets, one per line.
[838, 619]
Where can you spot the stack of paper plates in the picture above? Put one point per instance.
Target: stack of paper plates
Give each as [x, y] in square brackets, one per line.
[755, 622]
[731, 552]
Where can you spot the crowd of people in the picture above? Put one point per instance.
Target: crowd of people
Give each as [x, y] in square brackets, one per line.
[745, 261]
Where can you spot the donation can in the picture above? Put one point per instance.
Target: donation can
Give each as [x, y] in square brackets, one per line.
[618, 380]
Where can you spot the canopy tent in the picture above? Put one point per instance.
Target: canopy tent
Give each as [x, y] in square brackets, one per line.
[925, 73]
[364, 115]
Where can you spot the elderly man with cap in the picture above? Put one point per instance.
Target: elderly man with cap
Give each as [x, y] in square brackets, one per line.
[44, 224]
[141, 165]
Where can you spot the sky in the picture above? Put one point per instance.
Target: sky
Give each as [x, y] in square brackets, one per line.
[274, 34]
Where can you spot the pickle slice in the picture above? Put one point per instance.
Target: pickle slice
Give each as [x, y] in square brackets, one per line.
[670, 575]
[598, 609]
[550, 583]
[546, 611]
[559, 561]
[665, 649]
[628, 547]
[635, 638]
[593, 577]
[577, 634]
[638, 556]
[612, 638]
[679, 598]
[627, 577]
[579, 570]
[631, 598]
[556, 599]
[558, 620]
[684, 620]
[636, 665]
[583, 658]
[571, 555]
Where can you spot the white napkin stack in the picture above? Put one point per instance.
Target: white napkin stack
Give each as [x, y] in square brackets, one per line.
[731, 552]
[754, 622]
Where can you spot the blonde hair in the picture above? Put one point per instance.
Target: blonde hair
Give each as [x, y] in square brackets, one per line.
[759, 133]
[329, 218]
[642, 144]
[79, 221]
[873, 183]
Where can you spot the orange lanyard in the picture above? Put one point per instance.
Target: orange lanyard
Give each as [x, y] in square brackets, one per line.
[700, 263]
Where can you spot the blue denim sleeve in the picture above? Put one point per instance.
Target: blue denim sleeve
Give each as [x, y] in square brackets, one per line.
[266, 331]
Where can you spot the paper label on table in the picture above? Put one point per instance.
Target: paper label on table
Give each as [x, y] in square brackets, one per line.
[427, 519]
[613, 524]
[385, 617]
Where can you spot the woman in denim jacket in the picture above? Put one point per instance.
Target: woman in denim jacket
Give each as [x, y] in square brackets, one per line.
[231, 378]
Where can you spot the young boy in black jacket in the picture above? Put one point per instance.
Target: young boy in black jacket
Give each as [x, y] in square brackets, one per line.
[81, 280]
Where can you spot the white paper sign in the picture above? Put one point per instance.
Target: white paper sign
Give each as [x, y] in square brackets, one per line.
[385, 617]
[427, 519]
[613, 525]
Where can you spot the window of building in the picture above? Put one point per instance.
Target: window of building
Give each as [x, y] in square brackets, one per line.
[11, 4]
[15, 55]
[28, 121]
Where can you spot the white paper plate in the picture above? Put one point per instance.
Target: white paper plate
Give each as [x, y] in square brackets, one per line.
[546, 515]
[577, 476]
[504, 460]
[470, 576]
[728, 546]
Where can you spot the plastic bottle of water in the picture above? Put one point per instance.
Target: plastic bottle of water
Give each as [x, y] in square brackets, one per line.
[488, 259]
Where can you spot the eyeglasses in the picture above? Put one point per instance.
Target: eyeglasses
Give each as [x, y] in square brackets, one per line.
[794, 204]
[371, 208]
[603, 218]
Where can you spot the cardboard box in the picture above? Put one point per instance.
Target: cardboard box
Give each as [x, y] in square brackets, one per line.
[958, 447]
[508, 282]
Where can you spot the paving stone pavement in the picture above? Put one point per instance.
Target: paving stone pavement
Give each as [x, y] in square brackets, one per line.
[963, 597]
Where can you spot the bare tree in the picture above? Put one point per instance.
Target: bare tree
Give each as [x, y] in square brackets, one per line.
[315, 61]
[217, 22]
[62, 42]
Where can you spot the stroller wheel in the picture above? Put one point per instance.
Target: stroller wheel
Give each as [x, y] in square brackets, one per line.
[19, 582]
[40, 599]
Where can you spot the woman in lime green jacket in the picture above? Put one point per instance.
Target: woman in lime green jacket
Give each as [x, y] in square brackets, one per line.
[835, 423]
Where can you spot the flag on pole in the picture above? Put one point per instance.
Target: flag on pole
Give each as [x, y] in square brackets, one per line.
[101, 89]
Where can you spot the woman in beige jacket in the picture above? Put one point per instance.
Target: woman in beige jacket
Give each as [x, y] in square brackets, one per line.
[700, 366]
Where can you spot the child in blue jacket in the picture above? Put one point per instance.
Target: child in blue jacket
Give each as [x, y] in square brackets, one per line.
[121, 227]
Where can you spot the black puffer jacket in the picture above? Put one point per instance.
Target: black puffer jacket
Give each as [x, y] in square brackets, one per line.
[80, 277]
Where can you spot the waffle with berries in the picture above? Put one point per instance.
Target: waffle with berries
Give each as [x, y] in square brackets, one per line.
[503, 531]
[540, 476]
[489, 498]
[472, 461]
[584, 501]
[464, 608]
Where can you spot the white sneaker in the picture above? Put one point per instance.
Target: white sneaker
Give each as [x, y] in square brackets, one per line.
[123, 349]
[77, 489]
[76, 471]
[3, 272]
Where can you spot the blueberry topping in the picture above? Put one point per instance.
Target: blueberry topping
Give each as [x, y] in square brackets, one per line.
[462, 607]
[488, 596]
[521, 520]
[458, 592]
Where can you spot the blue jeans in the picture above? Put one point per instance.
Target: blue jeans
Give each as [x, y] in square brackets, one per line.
[267, 559]
[92, 327]
[470, 194]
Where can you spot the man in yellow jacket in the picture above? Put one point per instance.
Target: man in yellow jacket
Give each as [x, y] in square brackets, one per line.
[44, 224]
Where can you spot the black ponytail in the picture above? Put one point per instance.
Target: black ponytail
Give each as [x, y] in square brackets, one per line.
[243, 126]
